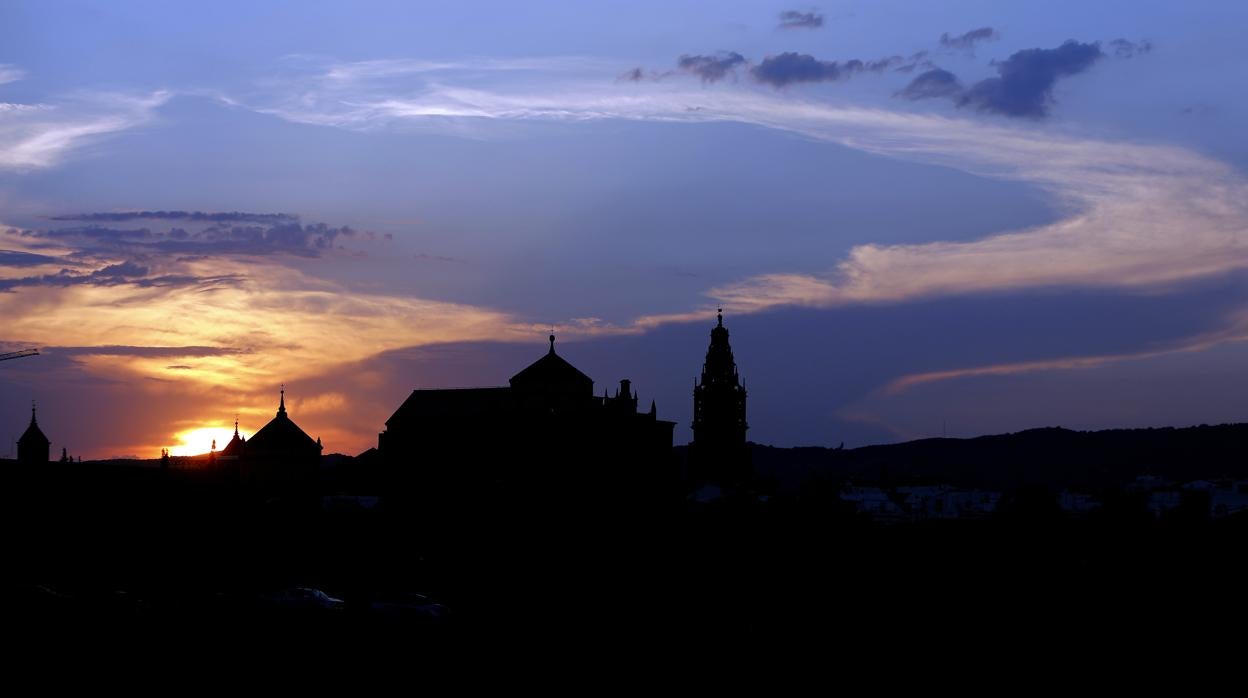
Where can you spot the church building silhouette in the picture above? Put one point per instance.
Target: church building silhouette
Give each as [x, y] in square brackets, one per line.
[544, 434]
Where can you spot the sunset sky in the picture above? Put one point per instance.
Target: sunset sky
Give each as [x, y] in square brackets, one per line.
[919, 217]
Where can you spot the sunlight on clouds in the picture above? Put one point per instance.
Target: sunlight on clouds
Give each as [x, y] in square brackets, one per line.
[278, 328]
[240, 341]
[1137, 214]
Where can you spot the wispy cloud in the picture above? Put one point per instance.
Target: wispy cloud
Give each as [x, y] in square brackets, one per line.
[37, 136]
[193, 216]
[1235, 329]
[932, 83]
[191, 233]
[10, 73]
[1136, 215]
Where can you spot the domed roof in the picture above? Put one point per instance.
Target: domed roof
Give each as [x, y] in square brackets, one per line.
[552, 370]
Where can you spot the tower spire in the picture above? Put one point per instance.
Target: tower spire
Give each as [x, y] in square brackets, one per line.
[236, 424]
[32, 413]
[719, 426]
[281, 409]
[552, 341]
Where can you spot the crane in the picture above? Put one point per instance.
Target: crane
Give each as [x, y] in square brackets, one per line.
[19, 354]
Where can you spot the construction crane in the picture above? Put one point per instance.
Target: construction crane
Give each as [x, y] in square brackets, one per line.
[19, 354]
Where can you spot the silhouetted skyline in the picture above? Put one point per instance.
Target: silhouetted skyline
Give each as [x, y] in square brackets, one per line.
[921, 219]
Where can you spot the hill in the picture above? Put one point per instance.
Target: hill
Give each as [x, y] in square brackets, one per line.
[1048, 457]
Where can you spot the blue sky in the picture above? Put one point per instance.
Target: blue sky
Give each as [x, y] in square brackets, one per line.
[964, 216]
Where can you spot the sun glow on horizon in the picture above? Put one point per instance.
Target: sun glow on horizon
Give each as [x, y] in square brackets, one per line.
[199, 441]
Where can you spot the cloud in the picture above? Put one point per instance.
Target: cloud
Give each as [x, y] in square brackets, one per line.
[1234, 330]
[146, 352]
[1123, 48]
[40, 136]
[13, 258]
[793, 19]
[1025, 85]
[711, 68]
[276, 234]
[10, 73]
[1135, 215]
[789, 68]
[196, 216]
[933, 83]
[128, 272]
[969, 39]
[634, 75]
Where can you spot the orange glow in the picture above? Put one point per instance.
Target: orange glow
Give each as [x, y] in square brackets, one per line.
[195, 442]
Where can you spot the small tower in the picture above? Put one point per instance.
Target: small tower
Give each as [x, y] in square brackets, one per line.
[33, 448]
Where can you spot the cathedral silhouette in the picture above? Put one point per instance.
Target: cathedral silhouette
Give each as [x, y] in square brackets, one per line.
[545, 432]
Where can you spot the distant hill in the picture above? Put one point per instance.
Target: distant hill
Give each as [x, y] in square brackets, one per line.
[1048, 457]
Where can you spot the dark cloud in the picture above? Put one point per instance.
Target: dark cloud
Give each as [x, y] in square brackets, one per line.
[124, 270]
[1124, 48]
[127, 272]
[933, 83]
[141, 257]
[147, 352]
[788, 68]
[286, 236]
[793, 19]
[195, 216]
[12, 258]
[634, 75]
[969, 39]
[1025, 85]
[711, 68]
[917, 60]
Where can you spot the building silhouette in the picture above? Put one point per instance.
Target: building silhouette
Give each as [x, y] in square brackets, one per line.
[234, 449]
[33, 448]
[546, 434]
[279, 457]
[719, 454]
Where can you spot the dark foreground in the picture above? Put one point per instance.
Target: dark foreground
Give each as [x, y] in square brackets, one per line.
[674, 579]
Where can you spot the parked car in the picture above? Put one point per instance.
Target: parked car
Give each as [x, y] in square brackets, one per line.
[301, 598]
[409, 605]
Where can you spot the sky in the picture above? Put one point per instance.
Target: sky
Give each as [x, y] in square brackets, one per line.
[920, 218]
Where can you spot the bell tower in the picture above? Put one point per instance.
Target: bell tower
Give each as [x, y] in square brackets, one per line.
[719, 453]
